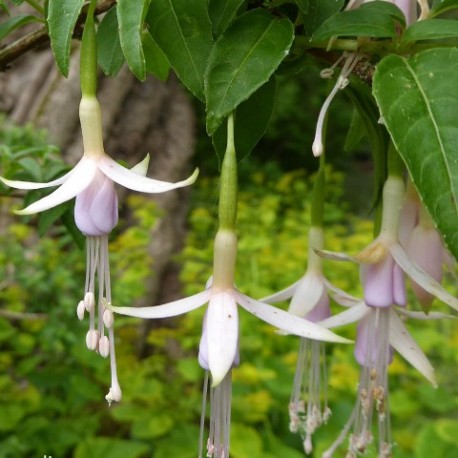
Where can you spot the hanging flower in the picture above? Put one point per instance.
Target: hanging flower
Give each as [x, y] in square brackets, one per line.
[96, 213]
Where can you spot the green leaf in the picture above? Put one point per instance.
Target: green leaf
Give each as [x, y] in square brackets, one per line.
[182, 29]
[374, 19]
[101, 447]
[318, 11]
[303, 5]
[252, 118]
[431, 29]
[156, 62]
[109, 51]
[222, 13]
[131, 14]
[355, 132]
[242, 60]
[49, 217]
[61, 20]
[418, 100]
[14, 23]
[442, 7]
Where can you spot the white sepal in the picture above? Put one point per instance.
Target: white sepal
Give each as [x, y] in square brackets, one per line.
[282, 295]
[351, 315]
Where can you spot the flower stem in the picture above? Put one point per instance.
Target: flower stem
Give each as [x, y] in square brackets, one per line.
[88, 62]
[228, 186]
[319, 195]
[395, 163]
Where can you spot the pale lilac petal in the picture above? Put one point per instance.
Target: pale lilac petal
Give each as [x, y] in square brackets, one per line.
[409, 8]
[421, 277]
[142, 167]
[222, 331]
[321, 310]
[203, 345]
[408, 220]
[131, 180]
[351, 315]
[282, 295]
[104, 208]
[377, 282]
[81, 177]
[26, 185]
[399, 286]
[286, 321]
[340, 296]
[405, 345]
[165, 310]
[307, 295]
[425, 249]
[335, 255]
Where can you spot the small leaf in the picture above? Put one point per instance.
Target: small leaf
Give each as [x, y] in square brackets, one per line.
[156, 62]
[418, 99]
[374, 19]
[222, 13]
[14, 23]
[61, 20]
[182, 29]
[131, 14]
[101, 447]
[442, 7]
[318, 11]
[252, 118]
[242, 60]
[303, 5]
[431, 29]
[109, 51]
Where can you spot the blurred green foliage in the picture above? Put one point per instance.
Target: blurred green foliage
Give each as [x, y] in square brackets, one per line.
[52, 388]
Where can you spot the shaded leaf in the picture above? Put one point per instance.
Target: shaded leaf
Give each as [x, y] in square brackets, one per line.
[109, 52]
[418, 99]
[182, 29]
[130, 18]
[317, 12]
[443, 6]
[252, 118]
[222, 13]
[242, 60]
[156, 62]
[303, 5]
[374, 19]
[431, 29]
[61, 20]
[14, 23]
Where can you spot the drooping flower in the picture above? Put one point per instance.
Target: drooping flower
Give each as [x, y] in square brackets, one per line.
[91, 181]
[308, 407]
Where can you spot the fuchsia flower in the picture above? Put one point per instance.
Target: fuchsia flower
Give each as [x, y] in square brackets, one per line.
[91, 181]
[218, 350]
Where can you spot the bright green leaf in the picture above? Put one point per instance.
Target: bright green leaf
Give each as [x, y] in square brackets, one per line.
[131, 14]
[182, 29]
[431, 29]
[222, 13]
[61, 20]
[251, 120]
[443, 6]
[101, 447]
[245, 441]
[242, 60]
[418, 99]
[109, 51]
[156, 62]
[15, 22]
[447, 430]
[374, 19]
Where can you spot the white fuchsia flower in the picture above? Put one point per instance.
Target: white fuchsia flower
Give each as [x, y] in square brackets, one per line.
[91, 181]
[308, 407]
[218, 350]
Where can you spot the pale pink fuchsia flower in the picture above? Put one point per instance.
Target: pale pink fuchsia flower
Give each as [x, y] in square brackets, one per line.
[383, 260]
[218, 350]
[308, 407]
[91, 181]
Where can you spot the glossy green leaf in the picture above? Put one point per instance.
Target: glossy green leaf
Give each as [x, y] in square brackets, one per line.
[374, 19]
[252, 118]
[61, 20]
[101, 447]
[109, 52]
[156, 62]
[442, 7]
[14, 23]
[418, 100]
[431, 29]
[256, 43]
[318, 11]
[222, 13]
[131, 14]
[183, 31]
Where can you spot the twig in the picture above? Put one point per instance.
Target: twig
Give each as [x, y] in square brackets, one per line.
[40, 37]
[22, 316]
